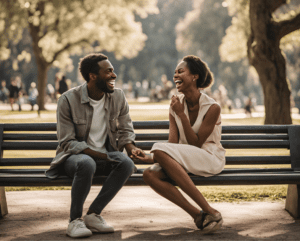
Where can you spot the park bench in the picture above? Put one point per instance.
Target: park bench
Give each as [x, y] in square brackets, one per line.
[239, 170]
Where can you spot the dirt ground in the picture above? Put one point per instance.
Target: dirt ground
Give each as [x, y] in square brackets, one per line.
[138, 213]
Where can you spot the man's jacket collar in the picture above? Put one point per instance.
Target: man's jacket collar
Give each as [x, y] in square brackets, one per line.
[85, 95]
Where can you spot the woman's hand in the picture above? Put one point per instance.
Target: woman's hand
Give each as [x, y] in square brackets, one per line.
[145, 159]
[176, 106]
[142, 156]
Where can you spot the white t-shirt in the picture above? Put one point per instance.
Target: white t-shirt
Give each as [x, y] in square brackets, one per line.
[98, 132]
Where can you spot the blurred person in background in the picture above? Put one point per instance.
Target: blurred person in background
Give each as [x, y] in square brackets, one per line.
[4, 92]
[13, 92]
[56, 85]
[21, 93]
[50, 92]
[248, 107]
[63, 86]
[32, 94]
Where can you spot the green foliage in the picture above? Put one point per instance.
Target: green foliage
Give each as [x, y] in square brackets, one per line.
[290, 42]
[159, 56]
[201, 33]
[65, 27]
[234, 47]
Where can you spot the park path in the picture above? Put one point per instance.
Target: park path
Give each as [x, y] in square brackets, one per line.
[236, 114]
[138, 213]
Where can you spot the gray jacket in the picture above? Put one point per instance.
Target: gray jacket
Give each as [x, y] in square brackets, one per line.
[74, 119]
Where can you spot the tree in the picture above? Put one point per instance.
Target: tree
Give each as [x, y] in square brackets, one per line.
[200, 33]
[60, 28]
[159, 56]
[266, 28]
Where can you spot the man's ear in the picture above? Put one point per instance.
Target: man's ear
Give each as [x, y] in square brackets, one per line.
[196, 76]
[92, 76]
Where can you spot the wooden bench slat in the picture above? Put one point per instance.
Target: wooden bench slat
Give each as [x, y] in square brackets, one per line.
[148, 145]
[230, 160]
[152, 125]
[30, 145]
[255, 144]
[140, 170]
[29, 126]
[234, 144]
[145, 137]
[257, 160]
[255, 178]
[26, 137]
[159, 125]
[255, 137]
[255, 129]
[26, 161]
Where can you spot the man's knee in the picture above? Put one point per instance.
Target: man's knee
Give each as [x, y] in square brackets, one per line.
[86, 164]
[124, 161]
[128, 164]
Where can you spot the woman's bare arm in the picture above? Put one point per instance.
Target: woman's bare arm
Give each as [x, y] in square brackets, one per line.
[173, 130]
[205, 129]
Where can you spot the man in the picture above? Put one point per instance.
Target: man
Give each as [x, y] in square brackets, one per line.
[90, 120]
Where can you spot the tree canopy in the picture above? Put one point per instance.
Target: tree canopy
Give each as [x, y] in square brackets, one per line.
[201, 33]
[60, 28]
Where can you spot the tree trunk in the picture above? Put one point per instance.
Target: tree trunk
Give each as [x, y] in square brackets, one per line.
[265, 55]
[42, 83]
[42, 64]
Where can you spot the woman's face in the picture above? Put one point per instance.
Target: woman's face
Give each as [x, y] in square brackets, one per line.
[183, 78]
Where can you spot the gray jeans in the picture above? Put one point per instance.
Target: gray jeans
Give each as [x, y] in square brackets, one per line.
[82, 168]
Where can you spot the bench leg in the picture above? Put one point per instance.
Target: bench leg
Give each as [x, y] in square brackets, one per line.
[3, 204]
[293, 200]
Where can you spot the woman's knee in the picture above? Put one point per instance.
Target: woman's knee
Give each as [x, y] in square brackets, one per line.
[152, 173]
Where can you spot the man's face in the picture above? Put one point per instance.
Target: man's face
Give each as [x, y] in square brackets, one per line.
[106, 78]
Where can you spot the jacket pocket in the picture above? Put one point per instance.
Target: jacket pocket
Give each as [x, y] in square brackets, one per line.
[80, 127]
[113, 125]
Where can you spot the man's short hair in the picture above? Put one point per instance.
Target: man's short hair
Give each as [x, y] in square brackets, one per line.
[89, 64]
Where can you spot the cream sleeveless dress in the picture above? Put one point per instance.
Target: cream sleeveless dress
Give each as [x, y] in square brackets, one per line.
[206, 161]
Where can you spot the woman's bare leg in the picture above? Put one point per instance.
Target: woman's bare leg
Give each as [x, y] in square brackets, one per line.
[154, 176]
[176, 172]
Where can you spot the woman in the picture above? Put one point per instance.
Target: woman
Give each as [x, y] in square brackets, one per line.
[193, 146]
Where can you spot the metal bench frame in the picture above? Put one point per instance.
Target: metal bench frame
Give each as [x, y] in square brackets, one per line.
[42, 136]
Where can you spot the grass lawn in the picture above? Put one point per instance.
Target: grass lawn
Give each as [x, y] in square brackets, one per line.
[212, 193]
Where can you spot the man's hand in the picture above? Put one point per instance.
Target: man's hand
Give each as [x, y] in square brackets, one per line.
[144, 158]
[95, 154]
[135, 152]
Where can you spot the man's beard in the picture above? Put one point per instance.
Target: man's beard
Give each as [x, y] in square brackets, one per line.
[101, 84]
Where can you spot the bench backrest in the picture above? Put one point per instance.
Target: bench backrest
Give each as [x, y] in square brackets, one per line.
[42, 136]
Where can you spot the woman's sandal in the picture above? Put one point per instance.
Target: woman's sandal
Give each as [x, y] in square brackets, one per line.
[208, 223]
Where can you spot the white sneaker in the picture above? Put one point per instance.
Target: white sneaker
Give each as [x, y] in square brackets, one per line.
[97, 224]
[77, 229]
